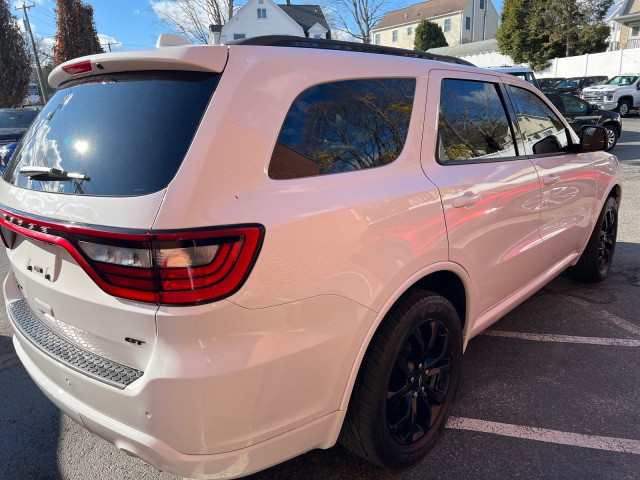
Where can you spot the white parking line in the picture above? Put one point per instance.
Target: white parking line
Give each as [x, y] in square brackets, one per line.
[611, 318]
[539, 337]
[543, 435]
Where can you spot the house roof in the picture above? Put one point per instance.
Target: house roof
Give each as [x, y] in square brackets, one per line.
[421, 11]
[473, 48]
[306, 16]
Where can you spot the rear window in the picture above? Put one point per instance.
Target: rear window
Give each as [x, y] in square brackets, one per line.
[119, 134]
[17, 118]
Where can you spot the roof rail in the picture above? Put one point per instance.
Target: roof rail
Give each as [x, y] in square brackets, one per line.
[304, 42]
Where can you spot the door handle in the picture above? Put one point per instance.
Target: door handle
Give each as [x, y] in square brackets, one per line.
[550, 179]
[468, 198]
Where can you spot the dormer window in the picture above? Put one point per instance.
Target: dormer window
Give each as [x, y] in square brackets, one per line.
[262, 13]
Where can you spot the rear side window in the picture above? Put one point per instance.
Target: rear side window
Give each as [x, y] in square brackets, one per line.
[472, 123]
[115, 135]
[343, 126]
[542, 131]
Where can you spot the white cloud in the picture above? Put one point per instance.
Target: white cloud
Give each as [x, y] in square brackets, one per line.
[136, 11]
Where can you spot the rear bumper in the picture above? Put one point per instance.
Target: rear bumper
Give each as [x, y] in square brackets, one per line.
[227, 391]
[152, 450]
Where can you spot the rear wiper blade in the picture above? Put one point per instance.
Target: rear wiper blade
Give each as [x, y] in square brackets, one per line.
[48, 173]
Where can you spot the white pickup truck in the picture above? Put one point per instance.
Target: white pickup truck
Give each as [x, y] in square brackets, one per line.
[620, 93]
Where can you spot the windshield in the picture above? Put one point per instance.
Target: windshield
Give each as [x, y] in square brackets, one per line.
[118, 134]
[17, 118]
[570, 83]
[622, 80]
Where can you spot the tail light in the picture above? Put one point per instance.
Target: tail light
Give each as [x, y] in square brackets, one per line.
[183, 267]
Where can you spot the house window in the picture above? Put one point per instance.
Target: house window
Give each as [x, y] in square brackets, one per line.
[481, 4]
[409, 31]
[260, 2]
[394, 36]
[317, 35]
[447, 25]
[262, 13]
[238, 36]
[467, 23]
[376, 39]
[635, 31]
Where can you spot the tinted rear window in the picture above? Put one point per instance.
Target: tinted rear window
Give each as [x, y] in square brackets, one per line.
[126, 133]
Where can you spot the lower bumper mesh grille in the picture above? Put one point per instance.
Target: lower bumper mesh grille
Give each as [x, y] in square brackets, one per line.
[71, 355]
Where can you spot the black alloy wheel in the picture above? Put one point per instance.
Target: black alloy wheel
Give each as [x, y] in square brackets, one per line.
[596, 259]
[407, 381]
[419, 382]
[607, 240]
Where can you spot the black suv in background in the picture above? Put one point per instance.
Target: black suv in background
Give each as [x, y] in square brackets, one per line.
[13, 123]
[580, 114]
[549, 83]
[575, 85]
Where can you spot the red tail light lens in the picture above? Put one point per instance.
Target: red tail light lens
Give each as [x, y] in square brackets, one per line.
[79, 67]
[167, 268]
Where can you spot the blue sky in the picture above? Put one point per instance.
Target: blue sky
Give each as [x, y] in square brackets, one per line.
[130, 22]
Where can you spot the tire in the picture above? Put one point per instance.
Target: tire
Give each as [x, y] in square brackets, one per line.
[623, 108]
[612, 137]
[406, 383]
[595, 262]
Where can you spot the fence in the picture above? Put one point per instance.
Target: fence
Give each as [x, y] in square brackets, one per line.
[606, 63]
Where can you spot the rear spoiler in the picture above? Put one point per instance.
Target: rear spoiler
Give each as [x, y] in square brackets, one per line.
[197, 58]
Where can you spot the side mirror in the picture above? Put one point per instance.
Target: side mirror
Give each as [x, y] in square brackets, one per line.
[593, 138]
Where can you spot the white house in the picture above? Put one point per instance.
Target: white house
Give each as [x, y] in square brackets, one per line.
[624, 20]
[462, 21]
[265, 17]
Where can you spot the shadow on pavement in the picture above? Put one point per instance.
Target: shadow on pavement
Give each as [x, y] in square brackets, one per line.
[29, 422]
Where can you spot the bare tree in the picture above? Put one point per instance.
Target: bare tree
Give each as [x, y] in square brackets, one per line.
[191, 18]
[355, 17]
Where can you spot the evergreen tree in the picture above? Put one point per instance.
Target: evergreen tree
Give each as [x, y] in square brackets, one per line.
[429, 35]
[76, 35]
[15, 60]
[535, 31]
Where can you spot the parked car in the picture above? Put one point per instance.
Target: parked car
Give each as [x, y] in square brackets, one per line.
[519, 71]
[548, 83]
[580, 114]
[575, 85]
[620, 93]
[13, 123]
[300, 257]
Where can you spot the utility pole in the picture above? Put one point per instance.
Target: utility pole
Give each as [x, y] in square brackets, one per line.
[43, 85]
[108, 44]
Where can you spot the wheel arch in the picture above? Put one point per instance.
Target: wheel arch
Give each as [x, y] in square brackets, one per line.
[628, 98]
[449, 280]
[614, 125]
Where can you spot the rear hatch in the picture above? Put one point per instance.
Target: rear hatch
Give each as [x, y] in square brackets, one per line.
[79, 198]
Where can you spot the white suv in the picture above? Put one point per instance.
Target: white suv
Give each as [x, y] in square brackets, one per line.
[225, 256]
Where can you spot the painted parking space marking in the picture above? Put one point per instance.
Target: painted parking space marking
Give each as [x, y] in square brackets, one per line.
[609, 317]
[611, 444]
[539, 337]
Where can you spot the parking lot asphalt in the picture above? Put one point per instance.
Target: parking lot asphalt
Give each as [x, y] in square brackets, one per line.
[549, 391]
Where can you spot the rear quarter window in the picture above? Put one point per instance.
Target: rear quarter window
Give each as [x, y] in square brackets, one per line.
[123, 134]
[343, 126]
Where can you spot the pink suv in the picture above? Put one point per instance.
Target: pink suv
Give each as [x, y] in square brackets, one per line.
[225, 256]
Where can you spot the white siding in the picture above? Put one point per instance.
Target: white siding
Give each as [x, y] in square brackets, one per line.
[246, 22]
